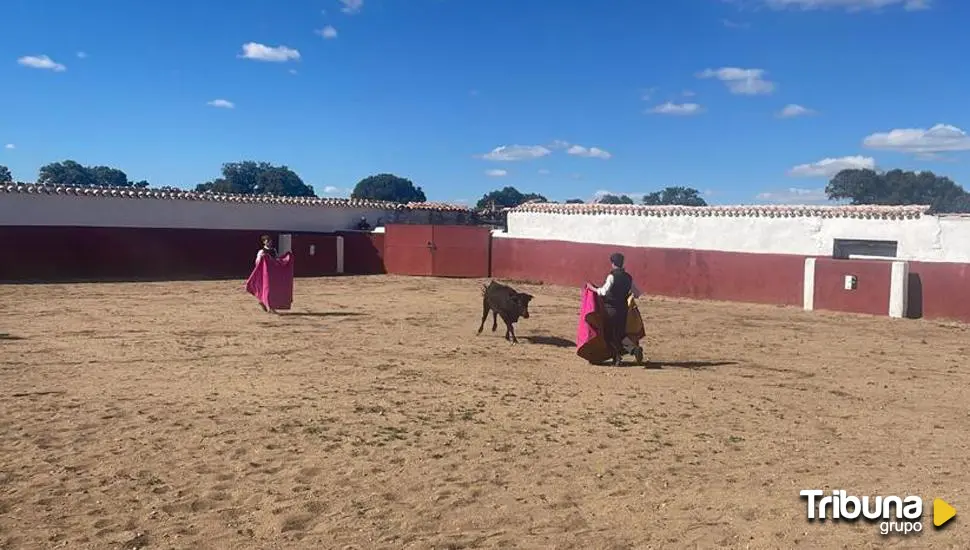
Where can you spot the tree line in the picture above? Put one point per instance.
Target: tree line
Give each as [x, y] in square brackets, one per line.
[238, 178]
[855, 186]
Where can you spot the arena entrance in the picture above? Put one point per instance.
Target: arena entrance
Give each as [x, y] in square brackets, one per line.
[437, 250]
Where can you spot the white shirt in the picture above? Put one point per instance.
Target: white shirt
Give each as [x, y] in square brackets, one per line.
[609, 283]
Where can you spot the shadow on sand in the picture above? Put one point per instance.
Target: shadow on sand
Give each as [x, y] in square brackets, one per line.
[550, 341]
[687, 364]
[6, 336]
[319, 314]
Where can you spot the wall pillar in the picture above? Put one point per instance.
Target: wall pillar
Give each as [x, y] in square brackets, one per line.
[340, 255]
[899, 289]
[285, 243]
[808, 282]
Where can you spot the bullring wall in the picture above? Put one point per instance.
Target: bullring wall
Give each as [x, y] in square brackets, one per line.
[772, 255]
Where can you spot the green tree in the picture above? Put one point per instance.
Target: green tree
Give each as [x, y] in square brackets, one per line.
[898, 187]
[388, 187]
[67, 173]
[5, 175]
[680, 196]
[257, 178]
[575, 201]
[73, 174]
[507, 197]
[613, 199]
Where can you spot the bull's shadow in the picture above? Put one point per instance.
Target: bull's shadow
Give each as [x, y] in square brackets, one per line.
[8, 336]
[554, 341]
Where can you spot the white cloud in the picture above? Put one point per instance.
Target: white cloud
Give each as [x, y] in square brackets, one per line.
[741, 81]
[10, 146]
[261, 52]
[559, 144]
[828, 167]
[671, 108]
[516, 152]
[848, 5]
[327, 32]
[795, 195]
[41, 62]
[544, 172]
[688, 93]
[82, 55]
[793, 110]
[496, 173]
[331, 190]
[351, 6]
[292, 71]
[592, 152]
[222, 104]
[734, 24]
[940, 138]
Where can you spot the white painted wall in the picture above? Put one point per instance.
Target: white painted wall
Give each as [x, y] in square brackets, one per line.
[66, 210]
[928, 238]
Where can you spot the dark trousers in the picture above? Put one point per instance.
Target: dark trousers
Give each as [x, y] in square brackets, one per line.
[615, 329]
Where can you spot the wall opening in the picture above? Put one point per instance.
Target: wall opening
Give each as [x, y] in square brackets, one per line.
[844, 249]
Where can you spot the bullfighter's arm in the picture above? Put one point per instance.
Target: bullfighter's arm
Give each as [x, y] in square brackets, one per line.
[635, 291]
[606, 286]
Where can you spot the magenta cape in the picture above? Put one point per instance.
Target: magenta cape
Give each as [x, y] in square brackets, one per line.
[271, 281]
[590, 343]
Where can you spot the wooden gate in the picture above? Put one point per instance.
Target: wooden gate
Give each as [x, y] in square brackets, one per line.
[438, 250]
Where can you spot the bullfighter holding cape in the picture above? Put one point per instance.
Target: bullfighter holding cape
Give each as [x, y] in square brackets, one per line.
[609, 319]
[271, 281]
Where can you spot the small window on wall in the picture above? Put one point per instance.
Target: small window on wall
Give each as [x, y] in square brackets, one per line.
[843, 249]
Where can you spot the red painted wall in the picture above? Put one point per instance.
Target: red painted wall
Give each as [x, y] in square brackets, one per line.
[363, 253]
[699, 274]
[109, 253]
[871, 294]
[939, 291]
[324, 258]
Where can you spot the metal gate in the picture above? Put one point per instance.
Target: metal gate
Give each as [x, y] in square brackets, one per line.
[438, 250]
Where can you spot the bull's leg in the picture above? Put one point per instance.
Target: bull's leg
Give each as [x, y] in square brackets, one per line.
[484, 315]
[509, 331]
[494, 321]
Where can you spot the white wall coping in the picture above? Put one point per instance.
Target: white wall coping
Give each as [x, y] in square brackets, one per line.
[767, 211]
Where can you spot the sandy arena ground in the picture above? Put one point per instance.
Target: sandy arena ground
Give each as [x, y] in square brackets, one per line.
[178, 415]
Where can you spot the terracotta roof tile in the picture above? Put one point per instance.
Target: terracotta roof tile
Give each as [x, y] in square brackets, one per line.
[132, 193]
[762, 211]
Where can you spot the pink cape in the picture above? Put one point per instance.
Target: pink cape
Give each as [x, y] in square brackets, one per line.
[271, 281]
[590, 343]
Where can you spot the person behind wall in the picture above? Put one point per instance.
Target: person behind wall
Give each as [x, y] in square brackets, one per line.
[615, 291]
[362, 225]
[267, 250]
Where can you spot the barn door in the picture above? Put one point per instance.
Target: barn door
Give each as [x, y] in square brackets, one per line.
[461, 251]
[408, 249]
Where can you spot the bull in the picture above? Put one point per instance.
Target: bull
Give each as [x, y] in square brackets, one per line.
[506, 303]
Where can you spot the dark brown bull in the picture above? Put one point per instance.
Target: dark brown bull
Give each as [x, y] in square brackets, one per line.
[506, 303]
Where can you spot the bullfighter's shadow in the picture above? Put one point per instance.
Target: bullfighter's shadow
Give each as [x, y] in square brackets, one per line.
[8, 336]
[691, 365]
[320, 314]
[554, 341]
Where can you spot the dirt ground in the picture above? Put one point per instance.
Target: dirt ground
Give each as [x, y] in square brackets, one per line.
[179, 415]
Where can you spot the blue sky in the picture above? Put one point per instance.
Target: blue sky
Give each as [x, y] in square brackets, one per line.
[622, 96]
